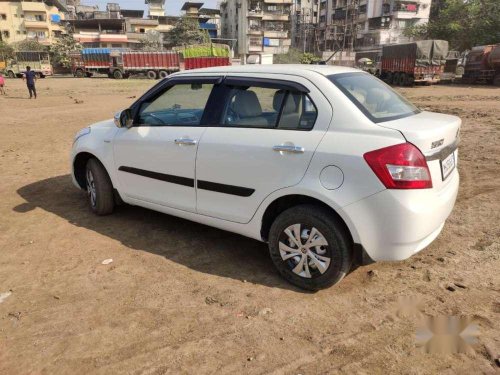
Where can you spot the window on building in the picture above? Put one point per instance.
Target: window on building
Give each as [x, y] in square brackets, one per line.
[3, 16]
[5, 34]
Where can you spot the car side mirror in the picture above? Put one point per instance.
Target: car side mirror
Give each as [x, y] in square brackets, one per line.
[124, 119]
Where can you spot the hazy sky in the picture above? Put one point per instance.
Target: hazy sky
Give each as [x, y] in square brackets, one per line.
[173, 6]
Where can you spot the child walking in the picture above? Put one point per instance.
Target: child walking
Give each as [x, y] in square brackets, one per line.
[2, 84]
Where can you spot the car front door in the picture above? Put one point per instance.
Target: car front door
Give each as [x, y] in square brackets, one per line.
[264, 141]
[155, 158]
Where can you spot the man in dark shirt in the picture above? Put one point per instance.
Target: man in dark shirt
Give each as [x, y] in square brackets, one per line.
[30, 77]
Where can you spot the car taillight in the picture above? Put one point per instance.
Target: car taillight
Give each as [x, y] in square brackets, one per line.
[400, 167]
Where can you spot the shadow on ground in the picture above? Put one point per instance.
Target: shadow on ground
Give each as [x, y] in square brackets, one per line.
[193, 245]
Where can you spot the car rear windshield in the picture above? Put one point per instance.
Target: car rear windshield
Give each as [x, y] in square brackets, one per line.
[378, 101]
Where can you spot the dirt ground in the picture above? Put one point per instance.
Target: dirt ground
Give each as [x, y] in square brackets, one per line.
[180, 297]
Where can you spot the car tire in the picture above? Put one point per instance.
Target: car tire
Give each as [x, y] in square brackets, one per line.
[99, 188]
[310, 267]
[11, 74]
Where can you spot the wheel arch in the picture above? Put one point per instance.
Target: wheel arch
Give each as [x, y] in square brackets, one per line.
[79, 166]
[285, 202]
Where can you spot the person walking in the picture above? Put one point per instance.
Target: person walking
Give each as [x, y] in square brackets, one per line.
[2, 84]
[30, 77]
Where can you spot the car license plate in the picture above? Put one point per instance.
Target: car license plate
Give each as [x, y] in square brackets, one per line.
[447, 165]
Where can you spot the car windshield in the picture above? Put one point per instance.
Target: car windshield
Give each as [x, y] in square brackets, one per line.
[378, 101]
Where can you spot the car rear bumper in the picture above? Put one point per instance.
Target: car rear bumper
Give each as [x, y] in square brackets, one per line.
[395, 224]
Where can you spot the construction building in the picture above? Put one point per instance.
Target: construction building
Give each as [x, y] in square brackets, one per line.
[366, 24]
[208, 18]
[116, 27]
[304, 19]
[259, 26]
[31, 20]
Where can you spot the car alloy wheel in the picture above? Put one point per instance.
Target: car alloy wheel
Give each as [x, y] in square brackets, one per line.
[303, 249]
[91, 190]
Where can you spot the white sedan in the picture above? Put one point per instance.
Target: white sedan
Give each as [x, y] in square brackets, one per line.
[328, 165]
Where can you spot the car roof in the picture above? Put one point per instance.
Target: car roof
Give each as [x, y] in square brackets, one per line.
[295, 69]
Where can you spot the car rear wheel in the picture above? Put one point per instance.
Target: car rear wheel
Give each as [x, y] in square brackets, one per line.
[310, 247]
[99, 188]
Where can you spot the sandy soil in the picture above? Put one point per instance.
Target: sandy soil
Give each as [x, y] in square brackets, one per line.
[185, 298]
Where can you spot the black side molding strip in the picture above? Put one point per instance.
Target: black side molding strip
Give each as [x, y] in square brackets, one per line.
[226, 189]
[160, 176]
[205, 185]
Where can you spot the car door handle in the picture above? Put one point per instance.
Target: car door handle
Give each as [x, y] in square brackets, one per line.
[289, 148]
[185, 141]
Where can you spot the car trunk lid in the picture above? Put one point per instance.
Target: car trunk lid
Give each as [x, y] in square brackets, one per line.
[436, 135]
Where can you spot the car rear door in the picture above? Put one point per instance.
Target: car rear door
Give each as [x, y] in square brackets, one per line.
[155, 159]
[263, 140]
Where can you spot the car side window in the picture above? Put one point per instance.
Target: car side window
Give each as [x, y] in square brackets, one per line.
[298, 113]
[264, 107]
[253, 107]
[180, 105]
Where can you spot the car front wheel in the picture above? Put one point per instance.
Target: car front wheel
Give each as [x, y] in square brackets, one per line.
[99, 188]
[310, 247]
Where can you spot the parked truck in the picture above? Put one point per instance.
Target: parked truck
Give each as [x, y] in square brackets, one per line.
[483, 65]
[153, 64]
[90, 61]
[39, 62]
[421, 61]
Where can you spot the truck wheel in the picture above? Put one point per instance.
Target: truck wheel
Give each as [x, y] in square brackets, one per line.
[117, 74]
[79, 73]
[11, 74]
[151, 74]
[163, 74]
[402, 79]
[496, 80]
[389, 78]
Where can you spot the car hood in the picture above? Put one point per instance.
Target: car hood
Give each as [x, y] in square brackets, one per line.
[103, 124]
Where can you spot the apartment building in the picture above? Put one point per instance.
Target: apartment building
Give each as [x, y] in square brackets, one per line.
[365, 24]
[259, 26]
[32, 20]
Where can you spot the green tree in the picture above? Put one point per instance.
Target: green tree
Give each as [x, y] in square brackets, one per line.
[29, 45]
[62, 49]
[6, 51]
[464, 24]
[295, 56]
[185, 32]
[152, 42]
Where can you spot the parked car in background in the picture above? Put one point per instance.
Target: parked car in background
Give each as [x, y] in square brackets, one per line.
[328, 165]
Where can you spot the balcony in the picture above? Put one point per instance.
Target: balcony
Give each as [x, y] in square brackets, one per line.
[278, 1]
[275, 34]
[254, 32]
[32, 24]
[255, 13]
[33, 6]
[276, 16]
